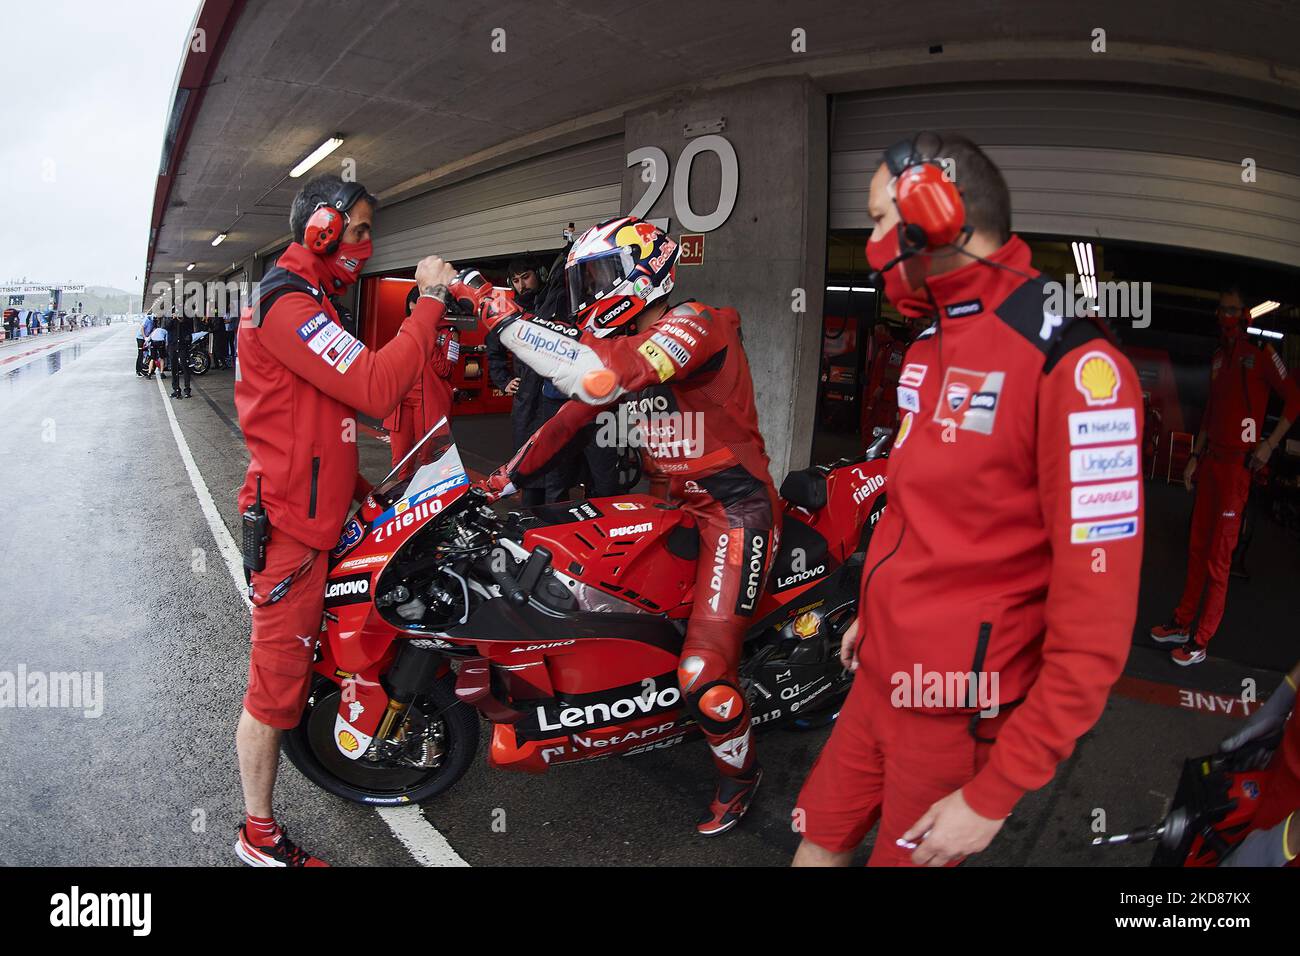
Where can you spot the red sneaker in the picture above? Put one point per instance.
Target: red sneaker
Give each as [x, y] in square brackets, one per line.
[1171, 633]
[284, 852]
[1188, 655]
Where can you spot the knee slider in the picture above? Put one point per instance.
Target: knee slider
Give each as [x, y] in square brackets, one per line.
[709, 693]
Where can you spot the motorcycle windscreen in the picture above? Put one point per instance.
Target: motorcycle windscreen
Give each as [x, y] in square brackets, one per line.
[443, 473]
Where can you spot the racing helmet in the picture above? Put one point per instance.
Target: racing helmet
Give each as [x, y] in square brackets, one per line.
[616, 269]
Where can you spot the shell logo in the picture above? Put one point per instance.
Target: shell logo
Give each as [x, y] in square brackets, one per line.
[348, 741]
[806, 625]
[1097, 379]
[904, 429]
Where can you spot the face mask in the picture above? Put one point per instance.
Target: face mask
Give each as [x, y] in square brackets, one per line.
[880, 252]
[1229, 325]
[344, 267]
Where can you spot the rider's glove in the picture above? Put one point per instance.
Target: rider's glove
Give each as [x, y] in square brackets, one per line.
[1264, 847]
[476, 296]
[1266, 719]
[497, 485]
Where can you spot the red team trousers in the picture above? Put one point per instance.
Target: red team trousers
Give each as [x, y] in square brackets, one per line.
[1223, 484]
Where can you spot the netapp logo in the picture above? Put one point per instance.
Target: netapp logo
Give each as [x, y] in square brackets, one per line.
[352, 589]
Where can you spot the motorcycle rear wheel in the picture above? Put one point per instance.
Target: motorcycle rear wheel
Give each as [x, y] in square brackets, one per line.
[310, 747]
[200, 363]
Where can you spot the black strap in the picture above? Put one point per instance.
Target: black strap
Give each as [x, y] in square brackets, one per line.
[279, 282]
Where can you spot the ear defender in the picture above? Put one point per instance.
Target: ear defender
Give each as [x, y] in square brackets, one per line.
[324, 230]
[929, 205]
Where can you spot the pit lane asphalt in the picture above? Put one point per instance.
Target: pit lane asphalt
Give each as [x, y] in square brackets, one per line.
[99, 545]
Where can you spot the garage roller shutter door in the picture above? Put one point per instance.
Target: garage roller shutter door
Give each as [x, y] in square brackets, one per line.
[521, 207]
[1136, 164]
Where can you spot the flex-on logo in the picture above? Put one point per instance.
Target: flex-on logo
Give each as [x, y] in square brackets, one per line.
[349, 589]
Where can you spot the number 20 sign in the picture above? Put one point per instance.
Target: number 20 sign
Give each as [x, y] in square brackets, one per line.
[655, 171]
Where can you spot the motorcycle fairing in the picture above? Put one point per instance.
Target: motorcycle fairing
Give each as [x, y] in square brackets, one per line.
[361, 707]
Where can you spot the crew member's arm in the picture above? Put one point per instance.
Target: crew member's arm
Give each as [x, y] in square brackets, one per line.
[446, 353]
[1281, 382]
[1096, 560]
[303, 337]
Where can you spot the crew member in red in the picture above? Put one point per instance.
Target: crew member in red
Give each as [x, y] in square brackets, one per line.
[880, 397]
[1241, 375]
[682, 380]
[1000, 586]
[299, 383]
[428, 400]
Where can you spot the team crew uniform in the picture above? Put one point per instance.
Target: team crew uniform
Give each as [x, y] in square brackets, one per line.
[1010, 551]
[300, 380]
[1241, 376]
[427, 402]
[689, 366]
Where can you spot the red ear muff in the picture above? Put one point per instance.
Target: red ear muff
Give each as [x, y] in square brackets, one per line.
[324, 230]
[929, 205]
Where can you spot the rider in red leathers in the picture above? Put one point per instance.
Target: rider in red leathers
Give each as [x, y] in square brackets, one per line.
[683, 381]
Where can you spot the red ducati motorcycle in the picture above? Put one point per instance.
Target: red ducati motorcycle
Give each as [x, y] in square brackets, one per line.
[561, 626]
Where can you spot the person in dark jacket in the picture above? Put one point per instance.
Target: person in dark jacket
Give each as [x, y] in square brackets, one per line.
[180, 328]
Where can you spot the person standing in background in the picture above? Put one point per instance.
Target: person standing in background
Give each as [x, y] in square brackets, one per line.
[428, 400]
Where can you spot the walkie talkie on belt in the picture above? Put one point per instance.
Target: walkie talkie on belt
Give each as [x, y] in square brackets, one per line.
[256, 528]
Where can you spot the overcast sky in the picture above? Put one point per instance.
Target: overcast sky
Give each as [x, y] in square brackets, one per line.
[85, 88]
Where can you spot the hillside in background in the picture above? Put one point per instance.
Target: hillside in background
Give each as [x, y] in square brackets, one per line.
[96, 300]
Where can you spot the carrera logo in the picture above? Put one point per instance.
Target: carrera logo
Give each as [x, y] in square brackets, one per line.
[1094, 501]
[351, 589]
[631, 529]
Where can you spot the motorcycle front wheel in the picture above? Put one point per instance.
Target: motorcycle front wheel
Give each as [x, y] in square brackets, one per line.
[200, 363]
[445, 735]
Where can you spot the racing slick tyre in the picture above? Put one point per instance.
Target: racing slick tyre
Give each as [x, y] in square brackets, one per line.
[443, 731]
[200, 363]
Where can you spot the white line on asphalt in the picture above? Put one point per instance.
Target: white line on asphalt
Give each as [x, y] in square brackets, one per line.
[420, 837]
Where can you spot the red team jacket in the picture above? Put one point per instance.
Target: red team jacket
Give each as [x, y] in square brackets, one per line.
[1241, 375]
[1014, 477]
[300, 381]
[431, 393]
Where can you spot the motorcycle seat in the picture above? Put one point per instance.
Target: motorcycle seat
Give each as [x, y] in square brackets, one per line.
[805, 488]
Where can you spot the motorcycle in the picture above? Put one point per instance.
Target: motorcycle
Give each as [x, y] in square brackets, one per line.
[1212, 810]
[200, 361]
[560, 626]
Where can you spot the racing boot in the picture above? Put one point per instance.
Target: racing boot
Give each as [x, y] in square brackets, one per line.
[283, 852]
[730, 801]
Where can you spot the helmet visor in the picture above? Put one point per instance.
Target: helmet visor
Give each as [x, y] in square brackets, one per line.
[592, 279]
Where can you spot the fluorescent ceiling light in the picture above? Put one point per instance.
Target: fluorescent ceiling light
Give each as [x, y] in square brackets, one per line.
[1267, 333]
[317, 154]
[1264, 308]
[221, 237]
[190, 266]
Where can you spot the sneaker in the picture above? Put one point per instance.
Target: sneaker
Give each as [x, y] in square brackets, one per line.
[1188, 655]
[176, 393]
[187, 394]
[730, 801]
[1171, 633]
[284, 852]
